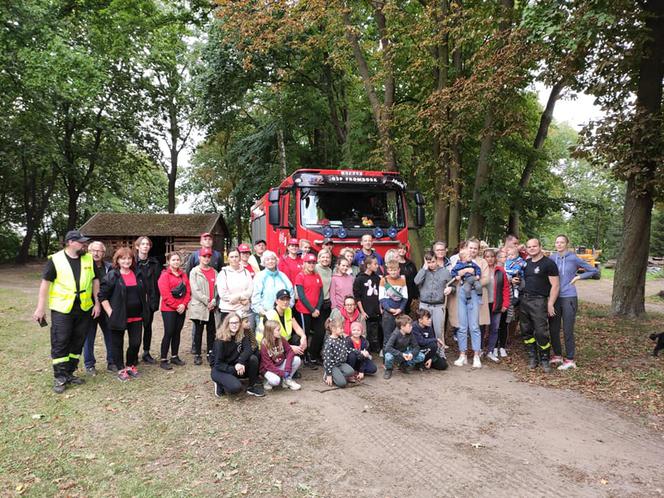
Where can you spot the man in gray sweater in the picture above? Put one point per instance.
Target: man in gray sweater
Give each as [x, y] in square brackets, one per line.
[432, 281]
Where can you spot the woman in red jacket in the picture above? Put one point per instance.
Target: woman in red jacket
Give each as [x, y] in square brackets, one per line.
[501, 301]
[175, 296]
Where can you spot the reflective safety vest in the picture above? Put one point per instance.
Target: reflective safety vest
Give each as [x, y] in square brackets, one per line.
[63, 291]
[286, 332]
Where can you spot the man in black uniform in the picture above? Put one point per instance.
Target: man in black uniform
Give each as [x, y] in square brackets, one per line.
[70, 283]
[542, 285]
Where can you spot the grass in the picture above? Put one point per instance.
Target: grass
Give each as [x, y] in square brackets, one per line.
[166, 435]
[615, 363]
[608, 273]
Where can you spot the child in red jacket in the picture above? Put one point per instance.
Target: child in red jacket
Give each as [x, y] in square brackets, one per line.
[175, 296]
[278, 361]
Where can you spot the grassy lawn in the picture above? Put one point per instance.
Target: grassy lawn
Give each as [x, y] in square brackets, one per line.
[615, 363]
[608, 273]
[163, 434]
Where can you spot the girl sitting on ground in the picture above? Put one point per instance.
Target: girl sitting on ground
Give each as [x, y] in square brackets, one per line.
[232, 359]
[335, 353]
[278, 360]
[359, 357]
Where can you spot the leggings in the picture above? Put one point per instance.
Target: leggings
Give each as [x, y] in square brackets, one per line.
[147, 331]
[117, 343]
[199, 325]
[566, 312]
[173, 323]
[229, 381]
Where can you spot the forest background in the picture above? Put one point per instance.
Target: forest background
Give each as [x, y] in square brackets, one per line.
[136, 105]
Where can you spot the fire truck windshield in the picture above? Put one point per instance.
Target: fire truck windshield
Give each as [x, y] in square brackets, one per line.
[354, 208]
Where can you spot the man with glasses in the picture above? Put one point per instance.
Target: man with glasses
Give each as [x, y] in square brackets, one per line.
[98, 251]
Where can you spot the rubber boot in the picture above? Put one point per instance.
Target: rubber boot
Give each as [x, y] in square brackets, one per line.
[532, 356]
[544, 360]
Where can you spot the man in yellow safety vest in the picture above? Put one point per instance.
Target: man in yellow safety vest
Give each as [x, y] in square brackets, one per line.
[70, 282]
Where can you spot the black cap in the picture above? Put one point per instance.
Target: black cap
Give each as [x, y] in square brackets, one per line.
[283, 293]
[75, 235]
[260, 241]
[327, 240]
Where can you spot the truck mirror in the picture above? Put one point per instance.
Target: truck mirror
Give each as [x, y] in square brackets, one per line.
[419, 199]
[273, 214]
[273, 196]
[420, 220]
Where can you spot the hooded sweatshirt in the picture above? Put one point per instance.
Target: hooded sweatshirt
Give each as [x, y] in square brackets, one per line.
[567, 265]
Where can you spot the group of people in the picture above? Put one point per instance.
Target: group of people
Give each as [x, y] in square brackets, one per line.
[266, 316]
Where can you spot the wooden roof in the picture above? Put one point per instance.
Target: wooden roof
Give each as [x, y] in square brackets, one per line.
[155, 225]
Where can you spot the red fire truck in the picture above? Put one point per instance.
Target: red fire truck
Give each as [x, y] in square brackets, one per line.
[342, 205]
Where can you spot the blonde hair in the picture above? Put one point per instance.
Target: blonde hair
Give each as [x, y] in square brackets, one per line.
[391, 255]
[273, 346]
[331, 323]
[224, 332]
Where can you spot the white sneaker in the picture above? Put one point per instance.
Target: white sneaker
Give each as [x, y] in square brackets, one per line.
[292, 385]
[567, 364]
[461, 361]
[493, 357]
[267, 386]
[476, 362]
[503, 353]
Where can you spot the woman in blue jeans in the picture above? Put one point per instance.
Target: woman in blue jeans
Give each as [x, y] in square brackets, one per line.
[566, 305]
[468, 312]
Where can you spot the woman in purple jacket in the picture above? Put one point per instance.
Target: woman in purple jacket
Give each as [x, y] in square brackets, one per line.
[568, 264]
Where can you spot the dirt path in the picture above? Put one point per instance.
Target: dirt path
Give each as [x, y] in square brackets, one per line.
[600, 292]
[462, 432]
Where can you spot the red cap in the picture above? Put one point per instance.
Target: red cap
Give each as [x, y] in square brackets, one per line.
[205, 251]
[293, 242]
[206, 234]
[243, 248]
[309, 258]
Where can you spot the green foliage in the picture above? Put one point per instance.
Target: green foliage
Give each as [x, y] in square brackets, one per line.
[657, 234]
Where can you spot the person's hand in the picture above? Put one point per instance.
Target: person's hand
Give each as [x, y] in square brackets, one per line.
[244, 301]
[516, 279]
[235, 300]
[297, 350]
[458, 278]
[447, 291]
[575, 280]
[365, 316]
[210, 306]
[365, 353]
[239, 368]
[397, 311]
[180, 309]
[440, 343]
[328, 380]
[407, 356]
[38, 315]
[303, 343]
[503, 309]
[96, 310]
[315, 314]
[427, 364]
[360, 376]
[551, 311]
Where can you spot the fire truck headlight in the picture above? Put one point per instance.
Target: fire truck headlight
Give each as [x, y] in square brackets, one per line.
[377, 233]
[342, 233]
[392, 232]
[328, 232]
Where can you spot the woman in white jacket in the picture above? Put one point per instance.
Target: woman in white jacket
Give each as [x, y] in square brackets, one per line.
[234, 286]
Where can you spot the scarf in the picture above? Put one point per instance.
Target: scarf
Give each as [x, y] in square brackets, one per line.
[349, 319]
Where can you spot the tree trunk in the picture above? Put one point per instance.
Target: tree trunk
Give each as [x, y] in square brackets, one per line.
[476, 222]
[172, 178]
[282, 153]
[630, 277]
[453, 236]
[542, 132]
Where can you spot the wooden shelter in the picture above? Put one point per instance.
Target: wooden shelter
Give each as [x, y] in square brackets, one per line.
[168, 232]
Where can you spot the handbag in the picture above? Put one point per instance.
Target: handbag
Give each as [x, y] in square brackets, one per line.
[179, 291]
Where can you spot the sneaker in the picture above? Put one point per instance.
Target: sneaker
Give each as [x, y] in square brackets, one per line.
[476, 362]
[77, 381]
[555, 360]
[59, 385]
[165, 365]
[380, 354]
[218, 390]
[461, 361]
[493, 357]
[123, 376]
[503, 353]
[177, 361]
[198, 360]
[387, 374]
[312, 365]
[256, 390]
[133, 372]
[268, 387]
[112, 368]
[567, 364]
[91, 371]
[291, 384]
[404, 369]
[147, 358]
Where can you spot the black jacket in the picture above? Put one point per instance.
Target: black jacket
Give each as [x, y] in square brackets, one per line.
[114, 290]
[150, 269]
[226, 354]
